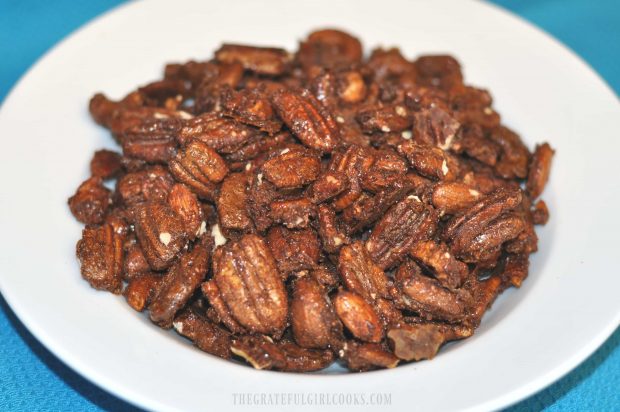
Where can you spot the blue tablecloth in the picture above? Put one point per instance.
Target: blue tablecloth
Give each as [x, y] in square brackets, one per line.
[31, 378]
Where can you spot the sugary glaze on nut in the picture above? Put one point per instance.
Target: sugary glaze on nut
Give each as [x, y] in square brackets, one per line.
[293, 210]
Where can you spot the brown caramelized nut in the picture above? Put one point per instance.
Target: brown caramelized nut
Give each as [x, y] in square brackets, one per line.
[454, 197]
[300, 359]
[199, 167]
[307, 119]
[205, 335]
[540, 169]
[313, 320]
[430, 161]
[405, 223]
[387, 169]
[260, 195]
[251, 107]
[426, 296]
[100, 252]
[515, 269]
[385, 119]
[113, 114]
[292, 168]
[485, 293]
[389, 64]
[151, 184]
[258, 351]
[221, 134]
[355, 162]
[443, 72]
[293, 213]
[422, 341]
[213, 295]
[473, 106]
[434, 127]
[514, 157]
[134, 263]
[486, 244]
[178, 285]
[351, 87]
[332, 236]
[540, 213]
[367, 356]
[161, 234]
[185, 204]
[461, 231]
[472, 141]
[326, 186]
[258, 146]
[261, 60]
[329, 48]
[263, 353]
[251, 286]
[91, 201]
[367, 209]
[152, 141]
[360, 274]
[294, 249]
[231, 204]
[141, 289]
[326, 276]
[358, 316]
[449, 271]
[105, 164]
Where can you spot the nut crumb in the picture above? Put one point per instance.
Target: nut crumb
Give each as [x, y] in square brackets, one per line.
[178, 326]
[184, 115]
[444, 167]
[217, 235]
[448, 142]
[202, 229]
[165, 237]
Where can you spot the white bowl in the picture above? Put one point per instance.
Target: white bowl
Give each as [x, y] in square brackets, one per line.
[530, 338]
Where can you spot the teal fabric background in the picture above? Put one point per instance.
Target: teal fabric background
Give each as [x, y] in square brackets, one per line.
[32, 379]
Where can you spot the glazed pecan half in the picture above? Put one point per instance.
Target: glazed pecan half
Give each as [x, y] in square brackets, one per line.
[100, 252]
[313, 319]
[199, 167]
[404, 224]
[251, 286]
[307, 119]
[262, 60]
[178, 285]
[161, 233]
